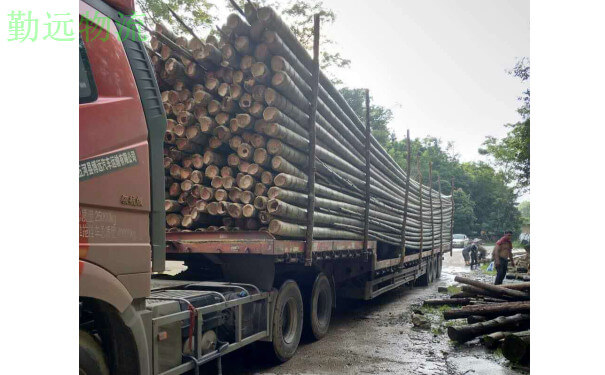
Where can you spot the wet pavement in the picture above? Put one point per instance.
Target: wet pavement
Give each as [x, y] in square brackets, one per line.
[377, 337]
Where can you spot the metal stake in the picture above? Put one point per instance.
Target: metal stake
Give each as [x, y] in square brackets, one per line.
[312, 140]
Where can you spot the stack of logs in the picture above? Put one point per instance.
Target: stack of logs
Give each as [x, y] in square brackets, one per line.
[498, 315]
[237, 143]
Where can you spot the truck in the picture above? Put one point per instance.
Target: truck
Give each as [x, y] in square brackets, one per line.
[239, 287]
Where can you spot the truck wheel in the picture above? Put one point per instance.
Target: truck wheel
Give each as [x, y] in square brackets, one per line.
[92, 358]
[287, 321]
[318, 308]
[435, 268]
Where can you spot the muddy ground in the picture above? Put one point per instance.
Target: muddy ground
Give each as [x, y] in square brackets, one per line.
[378, 337]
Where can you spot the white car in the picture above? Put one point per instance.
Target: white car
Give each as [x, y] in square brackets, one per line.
[460, 240]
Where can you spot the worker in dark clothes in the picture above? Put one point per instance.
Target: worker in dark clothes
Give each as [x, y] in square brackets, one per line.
[503, 251]
[474, 255]
[466, 254]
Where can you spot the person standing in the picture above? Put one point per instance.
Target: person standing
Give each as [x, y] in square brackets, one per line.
[503, 251]
[474, 253]
[466, 254]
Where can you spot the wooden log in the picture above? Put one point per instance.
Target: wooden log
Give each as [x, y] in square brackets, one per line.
[517, 286]
[475, 319]
[489, 310]
[247, 197]
[462, 334]
[243, 166]
[515, 348]
[249, 211]
[496, 290]
[171, 206]
[174, 220]
[447, 301]
[246, 63]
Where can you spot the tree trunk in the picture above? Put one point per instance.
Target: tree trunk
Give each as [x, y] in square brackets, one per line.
[489, 310]
[494, 340]
[516, 348]
[447, 301]
[496, 291]
[462, 334]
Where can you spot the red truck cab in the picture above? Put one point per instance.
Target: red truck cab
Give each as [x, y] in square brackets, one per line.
[122, 123]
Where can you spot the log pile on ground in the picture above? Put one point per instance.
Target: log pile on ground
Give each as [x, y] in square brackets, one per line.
[237, 143]
[496, 314]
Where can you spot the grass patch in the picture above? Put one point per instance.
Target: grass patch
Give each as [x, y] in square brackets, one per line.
[435, 310]
[484, 269]
[453, 289]
[498, 352]
[455, 323]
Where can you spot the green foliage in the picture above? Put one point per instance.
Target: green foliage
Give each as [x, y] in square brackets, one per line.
[483, 200]
[485, 271]
[524, 211]
[464, 212]
[197, 13]
[512, 153]
[452, 289]
[380, 116]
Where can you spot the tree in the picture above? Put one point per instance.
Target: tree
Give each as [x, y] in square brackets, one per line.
[197, 14]
[380, 116]
[464, 212]
[512, 153]
[524, 211]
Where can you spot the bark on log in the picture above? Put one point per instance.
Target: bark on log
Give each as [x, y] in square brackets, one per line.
[515, 348]
[496, 290]
[447, 301]
[462, 334]
[489, 310]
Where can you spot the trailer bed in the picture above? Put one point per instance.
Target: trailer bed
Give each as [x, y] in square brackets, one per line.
[263, 243]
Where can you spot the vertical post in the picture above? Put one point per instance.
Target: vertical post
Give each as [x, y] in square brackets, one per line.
[368, 134]
[441, 218]
[421, 220]
[452, 222]
[312, 140]
[405, 200]
[431, 205]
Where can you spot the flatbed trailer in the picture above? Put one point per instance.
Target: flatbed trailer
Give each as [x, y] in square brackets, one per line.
[382, 274]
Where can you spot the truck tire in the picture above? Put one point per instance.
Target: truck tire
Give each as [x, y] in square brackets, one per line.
[429, 270]
[92, 358]
[287, 321]
[435, 268]
[318, 308]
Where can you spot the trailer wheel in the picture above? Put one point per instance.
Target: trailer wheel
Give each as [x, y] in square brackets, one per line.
[435, 268]
[287, 321]
[92, 358]
[429, 270]
[318, 308]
